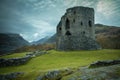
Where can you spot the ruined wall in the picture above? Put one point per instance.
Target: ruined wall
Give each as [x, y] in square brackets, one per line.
[76, 31]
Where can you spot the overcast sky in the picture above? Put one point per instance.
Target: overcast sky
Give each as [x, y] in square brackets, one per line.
[35, 19]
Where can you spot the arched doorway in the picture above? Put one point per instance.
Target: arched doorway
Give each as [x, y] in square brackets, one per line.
[68, 33]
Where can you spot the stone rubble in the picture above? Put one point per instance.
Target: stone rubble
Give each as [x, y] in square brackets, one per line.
[10, 76]
[55, 74]
[20, 61]
[104, 63]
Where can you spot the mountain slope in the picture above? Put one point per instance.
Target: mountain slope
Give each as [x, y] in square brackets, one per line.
[41, 41]
[100, 28]
[10, 41]
[108, 36]
[52, 39]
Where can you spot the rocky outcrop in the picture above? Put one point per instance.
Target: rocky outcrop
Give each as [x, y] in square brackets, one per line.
[55, 74]
[36, 53]
[104, 63]
[101, 73]
[52, 75]
[10, 76]
[20, 61]
[110, 71]
[14, 61]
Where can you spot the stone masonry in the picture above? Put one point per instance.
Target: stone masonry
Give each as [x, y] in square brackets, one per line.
[76, 30]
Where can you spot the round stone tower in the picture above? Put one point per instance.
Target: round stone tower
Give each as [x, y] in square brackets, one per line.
[76, 30]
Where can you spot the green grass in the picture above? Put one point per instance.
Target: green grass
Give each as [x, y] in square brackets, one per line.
[14, 55]
[60, 59]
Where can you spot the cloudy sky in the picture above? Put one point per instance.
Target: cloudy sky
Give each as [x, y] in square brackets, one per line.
[35, 19]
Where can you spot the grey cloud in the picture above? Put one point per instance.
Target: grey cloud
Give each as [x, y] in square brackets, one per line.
[16, 15]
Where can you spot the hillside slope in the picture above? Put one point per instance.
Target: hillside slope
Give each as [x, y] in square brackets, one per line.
[41, 41]
[10, 41]
[108, 36]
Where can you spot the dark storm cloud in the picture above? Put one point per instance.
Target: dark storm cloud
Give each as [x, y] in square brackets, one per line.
[34, 19]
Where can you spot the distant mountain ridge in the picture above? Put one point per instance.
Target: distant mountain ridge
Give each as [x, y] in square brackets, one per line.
[100, 28]
[41, 41]
[104, 34]
[10, 41]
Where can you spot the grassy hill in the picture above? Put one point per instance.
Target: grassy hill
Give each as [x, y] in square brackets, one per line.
[58, 60]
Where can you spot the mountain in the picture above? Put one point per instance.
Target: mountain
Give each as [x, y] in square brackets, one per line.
[45, 40]
[41, 41]
[52, 39]
[10, 41]
[106, 36]
[100, 28]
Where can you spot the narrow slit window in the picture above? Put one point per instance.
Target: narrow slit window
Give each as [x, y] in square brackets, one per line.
[67, 26]
[90, 23]
[74, 20]
[74, 12]
[60, 28]
[81, 23]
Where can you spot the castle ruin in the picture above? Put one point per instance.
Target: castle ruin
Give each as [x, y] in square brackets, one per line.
[76, 30]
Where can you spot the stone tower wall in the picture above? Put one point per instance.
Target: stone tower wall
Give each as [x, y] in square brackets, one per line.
[75, 29]
[81, 21]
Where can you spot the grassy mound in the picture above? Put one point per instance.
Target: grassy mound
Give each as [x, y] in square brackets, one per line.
[58, 60]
